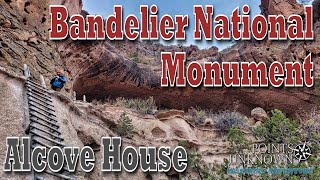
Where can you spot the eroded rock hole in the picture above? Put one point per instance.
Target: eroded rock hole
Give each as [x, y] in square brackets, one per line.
[1, 55]
[158, 133]
[8, 1]
[27, 4]
[88, 140]
[149, 177]
[25, 7]
[43, 20]
[24, 20]
[4, 45]
[94, 146]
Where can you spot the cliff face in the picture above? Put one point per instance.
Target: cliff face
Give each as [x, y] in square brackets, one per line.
[23, 37]
[84, 124]
[132, 69]
[105, 69]
[13, 117]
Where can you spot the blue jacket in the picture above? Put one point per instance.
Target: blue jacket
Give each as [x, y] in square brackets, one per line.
[58, 82]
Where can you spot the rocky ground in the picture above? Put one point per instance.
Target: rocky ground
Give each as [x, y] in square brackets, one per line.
[105, 71]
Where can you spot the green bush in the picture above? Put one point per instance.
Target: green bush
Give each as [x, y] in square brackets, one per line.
[277, 129]
[310, 130]
[237, 140]
[144, 106]
[204, 171]
[124, 126]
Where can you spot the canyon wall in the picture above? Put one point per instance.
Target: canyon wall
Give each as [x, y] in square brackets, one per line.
[103, 70]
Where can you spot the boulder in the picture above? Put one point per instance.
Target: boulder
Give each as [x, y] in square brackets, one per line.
[259, 114]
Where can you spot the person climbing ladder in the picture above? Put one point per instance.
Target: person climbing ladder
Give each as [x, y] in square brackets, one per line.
[58, 82]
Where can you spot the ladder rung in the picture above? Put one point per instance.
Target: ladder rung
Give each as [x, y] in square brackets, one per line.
[47, 116]
[34, 83]
[47, 138]
[47, 126]
[58, 175]
[39, 178]
[29, 85]
[52, 124]
[40, 106]
[53, 121]
[37, 90]
[31, 100]
[41, 143]
[31, 97]
[39, 95]
[44, 95]
[49, 133]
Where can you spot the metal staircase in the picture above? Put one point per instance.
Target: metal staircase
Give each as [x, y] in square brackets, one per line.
[43, 128]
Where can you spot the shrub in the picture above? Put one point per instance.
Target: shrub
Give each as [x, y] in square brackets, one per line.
[317, 83]
[135, 57]
[124, 126]
[310, 130]
[226, 120]
[205, 171]
[237, 140]
[144, 106]
[277, 129]
[198, 115]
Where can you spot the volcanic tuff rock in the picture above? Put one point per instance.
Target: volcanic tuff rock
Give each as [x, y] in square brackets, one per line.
[284, 7]
[84, 124]
[23, 37]
[132, 69]
[103, 69]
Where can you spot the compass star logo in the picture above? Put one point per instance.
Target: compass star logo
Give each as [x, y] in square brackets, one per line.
[302, 152]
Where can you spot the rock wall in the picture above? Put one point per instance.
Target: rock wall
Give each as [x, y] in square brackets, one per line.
[104, 70]
[84, 124]
[24, 29]
[13, 117]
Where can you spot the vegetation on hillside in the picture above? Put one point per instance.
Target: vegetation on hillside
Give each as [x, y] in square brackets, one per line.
[277, 129]
[144, 106]
[124, 127]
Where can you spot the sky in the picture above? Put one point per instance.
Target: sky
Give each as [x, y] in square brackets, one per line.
[174, 7]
